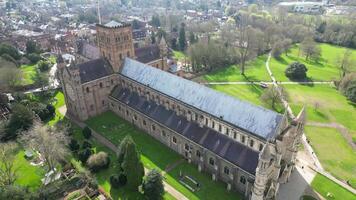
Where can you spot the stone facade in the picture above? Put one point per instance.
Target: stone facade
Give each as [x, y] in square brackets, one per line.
[263, 162]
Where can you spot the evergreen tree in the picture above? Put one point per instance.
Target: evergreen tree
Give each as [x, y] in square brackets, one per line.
[131, 165]
[153, 37]
[153, 185]
[181, 40]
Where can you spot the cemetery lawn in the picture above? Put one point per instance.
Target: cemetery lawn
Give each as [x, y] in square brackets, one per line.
[324, 186]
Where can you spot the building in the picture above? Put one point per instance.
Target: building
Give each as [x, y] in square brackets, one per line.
[250, 148]
[303, 7]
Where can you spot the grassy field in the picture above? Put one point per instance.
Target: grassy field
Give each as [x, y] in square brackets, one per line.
[324, 70]
[325, 186]
[337, 157]
[255, 71]
[178, 55]
[115, 129]
[29, 72]
[59, 102]
[28, 175]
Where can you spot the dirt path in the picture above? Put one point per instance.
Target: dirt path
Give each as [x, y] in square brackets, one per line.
[343, 130]
[168, 188]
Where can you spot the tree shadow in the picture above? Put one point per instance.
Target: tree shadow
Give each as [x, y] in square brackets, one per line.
[282, 60]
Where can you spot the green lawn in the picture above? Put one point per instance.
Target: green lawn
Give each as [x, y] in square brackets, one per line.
[250, 93]
[115, 129]
[28, 175]
[333, 151]
[178, 55]
[324, 70]
[324, 186]
[29, 72]
[59, 102]
[255, 71]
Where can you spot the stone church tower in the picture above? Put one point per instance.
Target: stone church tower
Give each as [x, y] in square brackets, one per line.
[114, 40]
[277, 160]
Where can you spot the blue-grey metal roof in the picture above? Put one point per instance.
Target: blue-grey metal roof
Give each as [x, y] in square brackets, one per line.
[218, 143]
[254, 119]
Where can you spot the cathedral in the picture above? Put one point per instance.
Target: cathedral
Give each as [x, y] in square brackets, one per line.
[249, 148]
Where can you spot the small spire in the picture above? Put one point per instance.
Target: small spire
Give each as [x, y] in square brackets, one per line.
[98, 10]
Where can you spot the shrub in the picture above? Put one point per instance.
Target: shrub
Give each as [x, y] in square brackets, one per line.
[73, 145]
[153, 185]
[33, 57]
[98, 161]
[118, 180]
[86, 144]
[84, 155]
[296, 71]
[350, 92]
[20, 119]
[86, 132]
[43, 66]
[51, 109]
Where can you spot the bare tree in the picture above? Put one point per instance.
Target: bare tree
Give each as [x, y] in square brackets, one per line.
[49, 142]
[8, 169]
[345, 62]
[272, 97]
[246, 43]
[310, 48]
[10, 76]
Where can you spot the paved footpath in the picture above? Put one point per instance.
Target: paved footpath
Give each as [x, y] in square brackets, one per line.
[168, 188]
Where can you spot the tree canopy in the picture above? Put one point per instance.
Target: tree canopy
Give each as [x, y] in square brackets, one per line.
[296, 71]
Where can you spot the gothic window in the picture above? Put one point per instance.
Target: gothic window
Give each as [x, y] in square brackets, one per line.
[101, 84]
[186, 147]
[235, 135]
[198, 153]
[119, 107]
[211, 161]
[112, 81]
[251, 143]
[153, 127]
[226, 170]
[144, 122]
[261, 147]
[120, 56]
[206, 121]
[242, 180]
[242, 138]
[220, 128]
[127, 112]
[163, 133]
[174, 139]
[227, 131]
[213, 125]
[196, 117]
[87, 89]
[135, 117]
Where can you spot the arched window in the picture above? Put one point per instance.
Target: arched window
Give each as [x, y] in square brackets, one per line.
[186, 147]
[261, 147]
[101, 84]
[174, 139]
[226, 170]
[144, 122]
[251, 143]
[198, 153]
[211, 161]
[242, 138]
[87, 89]
[153, 127]
[242, 180]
